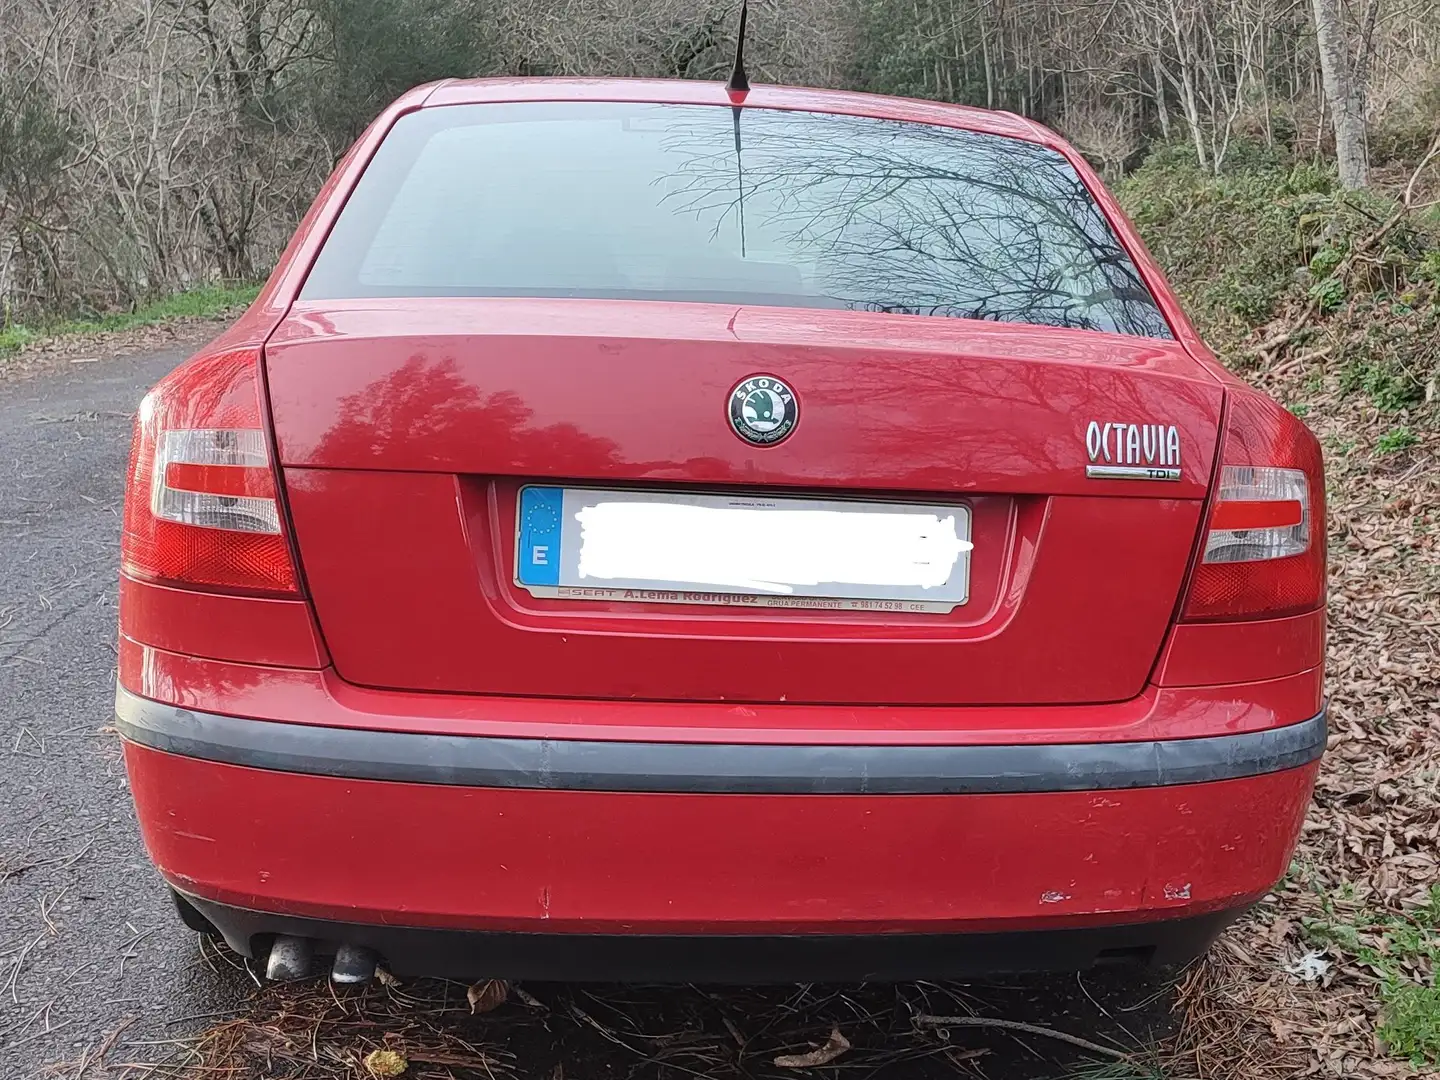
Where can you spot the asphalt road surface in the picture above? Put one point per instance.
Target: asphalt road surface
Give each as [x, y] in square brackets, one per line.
[89, 946]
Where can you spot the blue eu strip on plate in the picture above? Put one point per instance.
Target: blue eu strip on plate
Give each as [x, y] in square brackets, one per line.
[538, 557]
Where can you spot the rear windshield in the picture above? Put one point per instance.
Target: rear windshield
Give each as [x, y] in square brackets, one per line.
[734, 206]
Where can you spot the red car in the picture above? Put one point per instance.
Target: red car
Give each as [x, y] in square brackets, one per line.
[645, 530]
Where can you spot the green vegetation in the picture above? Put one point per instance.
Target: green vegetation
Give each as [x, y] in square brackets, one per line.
[1329, 293]
[1396, 439]
[1324, 262]
[1232, 243]
[1403, 951]
[12, 337]
[1412, 1021]
[1386, 381]
[204, 302]
[1252, 249]
[1429, 268]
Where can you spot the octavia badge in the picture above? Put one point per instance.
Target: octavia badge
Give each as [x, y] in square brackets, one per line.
[763, 410]
[1132, 451]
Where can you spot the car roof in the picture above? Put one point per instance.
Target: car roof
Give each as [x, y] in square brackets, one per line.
[691, 92]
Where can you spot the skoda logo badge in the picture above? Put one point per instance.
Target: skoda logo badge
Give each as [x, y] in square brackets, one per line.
[763, 410]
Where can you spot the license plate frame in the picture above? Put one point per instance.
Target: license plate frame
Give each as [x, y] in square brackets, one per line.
[551, 538]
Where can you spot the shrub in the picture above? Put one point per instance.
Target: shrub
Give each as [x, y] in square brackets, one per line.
[1266, 238]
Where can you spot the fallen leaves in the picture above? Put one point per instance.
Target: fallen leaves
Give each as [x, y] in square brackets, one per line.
[834, 1046]
[487, 996]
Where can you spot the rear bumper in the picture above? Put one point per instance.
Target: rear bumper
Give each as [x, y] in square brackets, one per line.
[714, 768]
[412, 842]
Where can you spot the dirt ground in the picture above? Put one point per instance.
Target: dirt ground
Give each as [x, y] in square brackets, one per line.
[553, 1031]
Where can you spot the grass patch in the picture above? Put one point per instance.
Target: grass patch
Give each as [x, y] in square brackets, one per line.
[1404, 951]
[12, 337]
[1395, 440]
[204, 302]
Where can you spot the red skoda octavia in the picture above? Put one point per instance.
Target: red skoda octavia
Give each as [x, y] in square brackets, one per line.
[650, 531]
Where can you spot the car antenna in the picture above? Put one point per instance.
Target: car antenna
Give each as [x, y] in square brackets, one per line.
[739, 83]
[737, 88]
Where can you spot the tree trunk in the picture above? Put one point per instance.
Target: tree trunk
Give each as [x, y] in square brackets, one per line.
[985, 56]
[1342, 91]
[1161, 110]
[1191, 110]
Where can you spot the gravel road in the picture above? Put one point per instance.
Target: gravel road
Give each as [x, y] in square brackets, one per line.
[89, 946]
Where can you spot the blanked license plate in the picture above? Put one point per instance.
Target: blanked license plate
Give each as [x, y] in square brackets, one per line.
[741, 550]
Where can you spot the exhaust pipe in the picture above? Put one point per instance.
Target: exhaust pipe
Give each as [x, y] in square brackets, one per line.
[354, 965]
[291, 959]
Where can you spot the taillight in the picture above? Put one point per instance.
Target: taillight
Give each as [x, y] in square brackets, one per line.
[1260, 513]
[1264, 550]
[202, 508]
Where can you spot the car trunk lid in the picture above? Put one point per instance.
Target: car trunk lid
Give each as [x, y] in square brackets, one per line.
[407, 430]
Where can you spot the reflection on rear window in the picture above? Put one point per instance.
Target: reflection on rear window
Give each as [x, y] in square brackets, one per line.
[747, 206]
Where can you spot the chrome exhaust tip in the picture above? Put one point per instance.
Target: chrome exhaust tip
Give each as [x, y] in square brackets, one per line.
[291, 959]
[354, 965]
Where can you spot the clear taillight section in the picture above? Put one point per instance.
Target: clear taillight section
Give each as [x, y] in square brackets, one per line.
[1260, 513]
[201, 509]
[215, 478]
[1264, 553]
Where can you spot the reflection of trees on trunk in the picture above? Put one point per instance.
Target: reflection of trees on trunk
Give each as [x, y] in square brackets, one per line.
[428, 406]
[914, 219]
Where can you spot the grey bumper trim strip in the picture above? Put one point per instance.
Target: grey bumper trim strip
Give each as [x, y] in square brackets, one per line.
[581, 765]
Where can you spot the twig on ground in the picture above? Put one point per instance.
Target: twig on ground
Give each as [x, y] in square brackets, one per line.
[106, 1045]
[12, 982]
[925, 1021]
[1408, 199]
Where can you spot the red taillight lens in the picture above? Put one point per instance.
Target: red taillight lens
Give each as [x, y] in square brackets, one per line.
[201, 507]
[1264, 552]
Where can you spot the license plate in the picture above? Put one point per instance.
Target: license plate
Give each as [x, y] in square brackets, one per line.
[741, 550]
